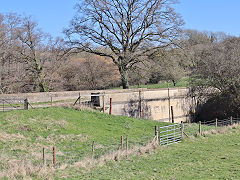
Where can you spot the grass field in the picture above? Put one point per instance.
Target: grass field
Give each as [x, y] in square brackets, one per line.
[215, 156]
[23, 134]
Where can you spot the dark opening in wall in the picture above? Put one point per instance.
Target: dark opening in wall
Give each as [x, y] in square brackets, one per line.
[95, 100]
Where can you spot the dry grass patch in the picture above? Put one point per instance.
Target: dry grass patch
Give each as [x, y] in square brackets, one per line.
[23, 169]
[5, 137]
[116, 156]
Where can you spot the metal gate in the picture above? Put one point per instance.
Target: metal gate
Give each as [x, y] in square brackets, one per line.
[170, 134]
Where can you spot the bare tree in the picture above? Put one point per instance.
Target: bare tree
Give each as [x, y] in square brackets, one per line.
[28, 57]
[216, 78]
[88, 71]
[8, 45]
[168, 65]
[124, 30]
[30, 38]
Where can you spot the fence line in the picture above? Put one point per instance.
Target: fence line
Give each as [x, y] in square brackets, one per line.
[222, 122]
[56, 156]
[11, 104]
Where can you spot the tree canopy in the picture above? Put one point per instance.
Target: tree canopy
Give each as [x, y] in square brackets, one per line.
[124, 30]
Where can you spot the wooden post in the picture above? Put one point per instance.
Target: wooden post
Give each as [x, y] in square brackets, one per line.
[121, 143]
[43, 156]
[231, 121]
[200, 128]
[159, 136]
[93, 150]
[79, 99]
[172, 114]
[140, 105]
[54, 158]
[182, 129]
[216, 123]
[110, 108]
[103, 103]
[156, 133]
[25, 104]
[169, 105]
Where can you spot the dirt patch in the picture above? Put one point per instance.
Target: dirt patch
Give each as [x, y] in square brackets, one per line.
[25, 128]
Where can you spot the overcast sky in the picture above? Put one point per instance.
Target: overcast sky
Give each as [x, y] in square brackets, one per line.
[53, 15]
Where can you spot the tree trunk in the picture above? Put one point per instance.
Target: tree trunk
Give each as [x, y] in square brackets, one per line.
[42, 86]
[124, 77]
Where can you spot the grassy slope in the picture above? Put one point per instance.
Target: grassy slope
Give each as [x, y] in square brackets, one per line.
[24, 133]
[211, 157]
[97, 126]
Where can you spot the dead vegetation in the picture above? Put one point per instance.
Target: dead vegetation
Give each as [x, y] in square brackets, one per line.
[222, 130]
[23, 169]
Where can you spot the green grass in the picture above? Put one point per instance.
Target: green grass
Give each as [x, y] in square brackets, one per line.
[192, 129]
[97, 126]
[211, 157]
[184, 82]
[23, 134]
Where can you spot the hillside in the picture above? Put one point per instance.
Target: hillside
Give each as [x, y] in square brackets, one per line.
[23, 134]
[215, 156]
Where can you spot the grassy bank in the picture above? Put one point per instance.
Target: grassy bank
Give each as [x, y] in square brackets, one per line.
[211, 157]
[23, 134]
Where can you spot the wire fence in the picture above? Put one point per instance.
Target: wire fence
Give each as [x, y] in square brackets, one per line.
[62, 154]
[221, 122]
[208, 125]
[73, 153]
[12, 104]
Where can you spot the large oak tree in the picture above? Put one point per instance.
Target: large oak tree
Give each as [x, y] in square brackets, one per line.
[126, 31]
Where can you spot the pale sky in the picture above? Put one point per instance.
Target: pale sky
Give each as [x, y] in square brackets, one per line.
[53, 15]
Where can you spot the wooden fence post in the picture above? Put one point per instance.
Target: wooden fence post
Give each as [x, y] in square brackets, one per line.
[110, 109]
[182, 129]
[26, 104]
[93, 150]
[43, 156]
[156, 133]
[103, 103]
[200, 128]
[169, 104]
[172, 114]
[216, 123]
[121, 143]
[159, 136]
[231, 121]
[79, 102]
[54, 157]
[140, 104]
